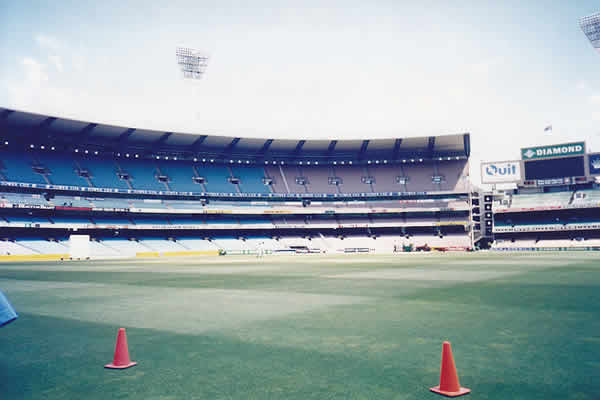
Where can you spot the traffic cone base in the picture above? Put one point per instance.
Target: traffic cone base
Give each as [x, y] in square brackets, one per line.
[462, 391]
[113, 366]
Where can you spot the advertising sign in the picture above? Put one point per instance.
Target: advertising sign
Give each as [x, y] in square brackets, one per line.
[555, 150]
[501, 172]
[594, 164]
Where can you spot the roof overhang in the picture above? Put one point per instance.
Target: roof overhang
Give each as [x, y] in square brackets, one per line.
[30, 128]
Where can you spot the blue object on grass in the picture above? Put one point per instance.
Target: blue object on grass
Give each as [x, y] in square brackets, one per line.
[7, 313]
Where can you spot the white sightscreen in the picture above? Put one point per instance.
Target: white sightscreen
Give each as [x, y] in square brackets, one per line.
[79, 246]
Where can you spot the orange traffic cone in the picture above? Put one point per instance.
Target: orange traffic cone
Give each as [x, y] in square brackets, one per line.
[121, 359]
[449, 385]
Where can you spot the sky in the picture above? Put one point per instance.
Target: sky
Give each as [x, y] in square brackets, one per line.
[349, 69]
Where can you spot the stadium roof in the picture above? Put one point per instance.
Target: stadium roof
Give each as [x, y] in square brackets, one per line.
[35, 129]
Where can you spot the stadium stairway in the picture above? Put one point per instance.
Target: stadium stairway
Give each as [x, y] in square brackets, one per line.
[278, 172]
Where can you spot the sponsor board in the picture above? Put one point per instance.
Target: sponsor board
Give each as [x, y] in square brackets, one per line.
[227, 195]
[501, 172]
[587, 248]
[556, 150]
[549, 227]
[554, 181]
[594, 163]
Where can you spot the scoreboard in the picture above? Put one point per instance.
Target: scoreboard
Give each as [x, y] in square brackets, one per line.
[551, 165]
[557, 164]
[555, 168]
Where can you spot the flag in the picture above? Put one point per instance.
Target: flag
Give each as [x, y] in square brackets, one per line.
[548, 128]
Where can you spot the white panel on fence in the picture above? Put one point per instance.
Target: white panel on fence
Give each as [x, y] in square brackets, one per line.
[79, 246]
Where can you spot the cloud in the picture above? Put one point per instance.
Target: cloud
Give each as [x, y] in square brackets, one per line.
[57, 62]
[35, 72]
[54, 47]
[48, 42]
[78, 62]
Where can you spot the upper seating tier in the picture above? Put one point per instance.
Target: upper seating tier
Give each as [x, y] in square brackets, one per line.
[199, 177]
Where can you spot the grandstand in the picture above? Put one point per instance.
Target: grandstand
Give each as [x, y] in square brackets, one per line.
[138, 191]
[557, 211]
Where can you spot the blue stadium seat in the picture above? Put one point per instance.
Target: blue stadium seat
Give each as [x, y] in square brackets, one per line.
[111, 221]
[197, 244]
[186, 220]
[111, 203]
[18, 168]
[254, 221]
[43, 246]
[61, 170]
[25, 199]
[216, 178]
[251, 179]
[70, 201]
[149, 221]
[70, 220]
[103, 173]
[142, 174]
[222, 221]
[161, 245]
[26, 219]
[180, 176]
[148, 204]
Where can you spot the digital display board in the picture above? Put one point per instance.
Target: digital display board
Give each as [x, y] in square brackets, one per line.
[555, 168]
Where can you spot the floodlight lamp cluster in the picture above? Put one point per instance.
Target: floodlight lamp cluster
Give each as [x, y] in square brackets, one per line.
[191, 62]
[590, 25]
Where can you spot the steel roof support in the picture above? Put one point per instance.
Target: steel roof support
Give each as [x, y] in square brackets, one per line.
[430, 146]
[299, 146]
[231, 146]
[265, 147]
[125, 135]
[85, 133]
[198, 142]
[4, 115]
[363, 148]
[331, 147]
[161, 140]
[397, 145]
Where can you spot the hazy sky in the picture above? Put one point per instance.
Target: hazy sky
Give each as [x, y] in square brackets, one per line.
[501, 70]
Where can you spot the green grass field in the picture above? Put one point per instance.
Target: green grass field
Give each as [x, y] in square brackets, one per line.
[522, 326]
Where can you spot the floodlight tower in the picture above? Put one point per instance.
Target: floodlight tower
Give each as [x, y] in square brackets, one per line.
[590, 25]
[191, 62]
